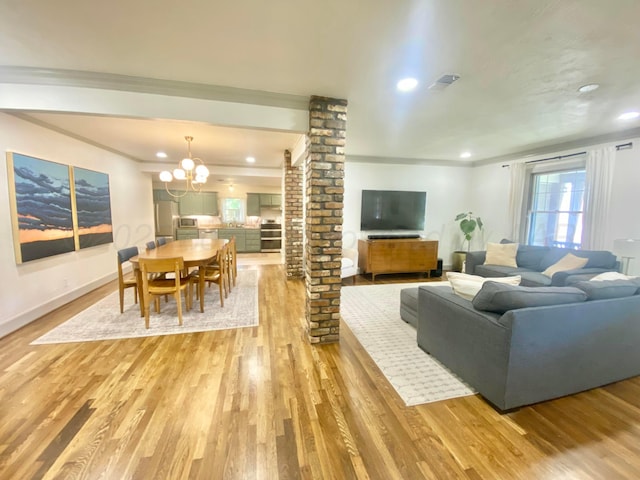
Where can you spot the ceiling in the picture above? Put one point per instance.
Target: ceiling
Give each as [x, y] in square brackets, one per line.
[520, 66]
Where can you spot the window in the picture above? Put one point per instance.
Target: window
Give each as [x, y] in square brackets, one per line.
[233, 210]
[556, 208]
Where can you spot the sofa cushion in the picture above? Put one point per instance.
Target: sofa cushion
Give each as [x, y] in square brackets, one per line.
[530, 256]
[598, 258]
[503, 254]
[603, 289]
[499, 297]
[568, 262]
[498, 271]
[409, 305]
[466, 286]
[534, 279]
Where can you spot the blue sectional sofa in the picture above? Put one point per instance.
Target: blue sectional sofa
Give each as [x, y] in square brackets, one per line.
[533, 260]
[521, 345]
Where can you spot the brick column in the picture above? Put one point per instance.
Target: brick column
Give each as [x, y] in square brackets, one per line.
[293, 217]
[324, 187]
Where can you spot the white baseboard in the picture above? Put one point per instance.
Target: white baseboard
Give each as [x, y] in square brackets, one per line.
[25, 318]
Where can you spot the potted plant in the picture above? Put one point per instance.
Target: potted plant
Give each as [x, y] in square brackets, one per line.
[468, 224]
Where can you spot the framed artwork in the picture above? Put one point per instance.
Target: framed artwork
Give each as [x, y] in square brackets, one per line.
[41, 207]
[92, 207]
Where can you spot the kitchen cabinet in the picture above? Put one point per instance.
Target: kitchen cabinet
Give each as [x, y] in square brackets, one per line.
[255, 201]
[276, 200]
[203, 203]
[233, 232]
[270, 200]
[247, 239]
[186, 233]
[253, 204]
[252, 240]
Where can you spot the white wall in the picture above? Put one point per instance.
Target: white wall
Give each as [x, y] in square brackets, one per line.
[37, 287]
[490, 197]
[484, 190]
[447, 195]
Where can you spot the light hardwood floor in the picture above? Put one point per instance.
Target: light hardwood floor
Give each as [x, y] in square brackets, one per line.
[262, 403]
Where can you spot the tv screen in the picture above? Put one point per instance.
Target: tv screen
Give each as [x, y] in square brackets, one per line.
[392, 210]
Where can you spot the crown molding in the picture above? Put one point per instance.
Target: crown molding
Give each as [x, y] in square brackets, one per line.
[127, 83]
[560, 147]
[406, 161]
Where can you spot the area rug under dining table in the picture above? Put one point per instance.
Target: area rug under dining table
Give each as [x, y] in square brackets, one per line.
[103, 320]
[372, 312]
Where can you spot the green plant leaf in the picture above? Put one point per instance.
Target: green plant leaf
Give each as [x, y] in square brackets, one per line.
[460, 216]
[479, 222]
[467, 226]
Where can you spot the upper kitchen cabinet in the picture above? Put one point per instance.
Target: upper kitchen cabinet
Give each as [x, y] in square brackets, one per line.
[253, 204]
[276, 200]
[270, 200]
[264, 200]
[203, 203]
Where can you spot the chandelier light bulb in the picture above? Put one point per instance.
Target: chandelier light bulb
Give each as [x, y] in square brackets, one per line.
[179, 174]
[165, 176]
[200, 179]
[187, 164]
[201, 170]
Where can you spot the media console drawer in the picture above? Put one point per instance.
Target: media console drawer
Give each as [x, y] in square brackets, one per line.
[397, 256]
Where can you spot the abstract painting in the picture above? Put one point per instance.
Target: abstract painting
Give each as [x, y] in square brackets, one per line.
[93, 207]
[41, 207]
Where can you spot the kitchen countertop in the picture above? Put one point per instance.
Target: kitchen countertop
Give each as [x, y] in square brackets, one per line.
[218, 226]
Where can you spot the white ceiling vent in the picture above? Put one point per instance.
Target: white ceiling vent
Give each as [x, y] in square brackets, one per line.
[443, 82]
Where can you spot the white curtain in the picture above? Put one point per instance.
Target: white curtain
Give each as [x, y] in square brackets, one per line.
[518, 173]
[598, 186]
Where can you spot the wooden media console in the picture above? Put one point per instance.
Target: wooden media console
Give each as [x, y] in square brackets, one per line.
[398, 255]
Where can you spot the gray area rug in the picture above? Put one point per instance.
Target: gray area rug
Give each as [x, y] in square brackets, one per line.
[373, 315]
[103, 320]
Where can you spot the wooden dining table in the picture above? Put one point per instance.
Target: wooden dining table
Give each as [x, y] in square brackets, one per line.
[194, 252]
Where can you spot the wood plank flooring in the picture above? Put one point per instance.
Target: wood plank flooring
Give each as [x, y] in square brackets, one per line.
[262, 403]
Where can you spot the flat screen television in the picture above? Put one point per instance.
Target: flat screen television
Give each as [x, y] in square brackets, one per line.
[392, 210]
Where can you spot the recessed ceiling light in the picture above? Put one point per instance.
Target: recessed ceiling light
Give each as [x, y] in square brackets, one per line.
[161, 155]
[407, 84]
[589, 87]
[465, 154]
[629, 116]
[251, 160]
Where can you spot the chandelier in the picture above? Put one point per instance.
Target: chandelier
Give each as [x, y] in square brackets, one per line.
[194, 175]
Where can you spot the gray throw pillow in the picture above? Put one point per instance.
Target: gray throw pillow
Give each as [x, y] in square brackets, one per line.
[607, 289]
[500, 297]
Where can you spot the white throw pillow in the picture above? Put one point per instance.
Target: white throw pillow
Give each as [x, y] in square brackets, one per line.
[347, 262]
[610, 276]
[568, 262]
[503, 254]
[466, 286]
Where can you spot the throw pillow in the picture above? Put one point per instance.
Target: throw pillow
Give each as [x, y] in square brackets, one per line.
[503, 254]
[346, 262]
[500, 298]
[603, 289]
[568, 262]
[467, 286]
[610, 276]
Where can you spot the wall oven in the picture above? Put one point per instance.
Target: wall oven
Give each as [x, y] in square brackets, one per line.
[270, 237]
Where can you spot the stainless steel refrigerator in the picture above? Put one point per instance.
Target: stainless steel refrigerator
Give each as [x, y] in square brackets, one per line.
[166, 218]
